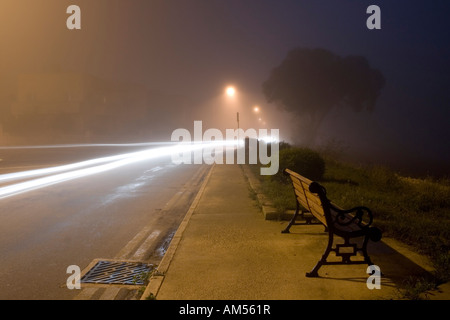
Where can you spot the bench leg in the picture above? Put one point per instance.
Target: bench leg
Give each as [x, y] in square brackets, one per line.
[315, 271]
[292, 222]
[364, 251]
[366, 255]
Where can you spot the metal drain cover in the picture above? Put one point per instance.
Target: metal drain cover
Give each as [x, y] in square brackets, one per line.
[117, 272]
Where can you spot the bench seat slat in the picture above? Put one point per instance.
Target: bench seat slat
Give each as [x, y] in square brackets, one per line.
[303, 203]
[313, 198]
[302, 190]
[318, 212]
[301, 197]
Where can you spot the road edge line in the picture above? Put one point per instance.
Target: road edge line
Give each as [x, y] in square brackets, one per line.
[157, 278]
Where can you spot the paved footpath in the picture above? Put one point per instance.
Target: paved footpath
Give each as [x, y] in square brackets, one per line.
[226, 250]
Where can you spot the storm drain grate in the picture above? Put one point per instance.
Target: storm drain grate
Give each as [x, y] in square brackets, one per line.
[117, 272]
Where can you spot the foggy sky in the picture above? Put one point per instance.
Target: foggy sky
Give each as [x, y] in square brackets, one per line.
[195, 48]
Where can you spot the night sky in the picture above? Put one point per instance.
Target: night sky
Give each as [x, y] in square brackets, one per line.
[195, 48]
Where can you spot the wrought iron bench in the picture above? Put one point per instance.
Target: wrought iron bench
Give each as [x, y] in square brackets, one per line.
[311, 197]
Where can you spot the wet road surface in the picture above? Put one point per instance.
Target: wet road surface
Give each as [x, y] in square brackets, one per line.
[129, 212]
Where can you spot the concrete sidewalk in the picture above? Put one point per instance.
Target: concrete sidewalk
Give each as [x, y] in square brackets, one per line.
[226, 250]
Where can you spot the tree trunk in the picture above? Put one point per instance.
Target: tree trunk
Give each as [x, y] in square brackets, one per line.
[308, 128]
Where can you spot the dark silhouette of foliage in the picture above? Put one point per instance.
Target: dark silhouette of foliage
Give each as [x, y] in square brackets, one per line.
[305, 161]
[310, 82]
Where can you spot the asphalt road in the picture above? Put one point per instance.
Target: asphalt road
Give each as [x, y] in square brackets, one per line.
[128, 212]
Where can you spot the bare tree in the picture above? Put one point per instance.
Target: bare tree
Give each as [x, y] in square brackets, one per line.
[310, 82]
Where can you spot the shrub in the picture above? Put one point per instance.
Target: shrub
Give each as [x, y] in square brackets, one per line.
[304, 161]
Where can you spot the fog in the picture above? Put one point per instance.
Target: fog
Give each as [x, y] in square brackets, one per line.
[137, 70]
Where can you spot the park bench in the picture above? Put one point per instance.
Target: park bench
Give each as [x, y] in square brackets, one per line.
[311, 198]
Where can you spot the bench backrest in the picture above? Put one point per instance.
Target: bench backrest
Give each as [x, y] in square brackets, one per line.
[310, 201]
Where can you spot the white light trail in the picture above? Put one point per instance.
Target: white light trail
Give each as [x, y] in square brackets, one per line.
[96, 166]
[270, 140]
[56, 146]
[45, 171]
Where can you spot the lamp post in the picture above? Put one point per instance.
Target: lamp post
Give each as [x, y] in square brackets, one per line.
[237, 117]
[231, 93]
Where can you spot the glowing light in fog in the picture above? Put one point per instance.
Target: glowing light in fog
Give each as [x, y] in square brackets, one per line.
[231, 91]
[269, 140]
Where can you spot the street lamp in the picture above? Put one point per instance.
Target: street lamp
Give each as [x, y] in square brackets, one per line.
[237, 117]
[231, 92]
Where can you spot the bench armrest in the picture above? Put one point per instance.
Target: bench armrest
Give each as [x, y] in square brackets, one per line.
[344, 218]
